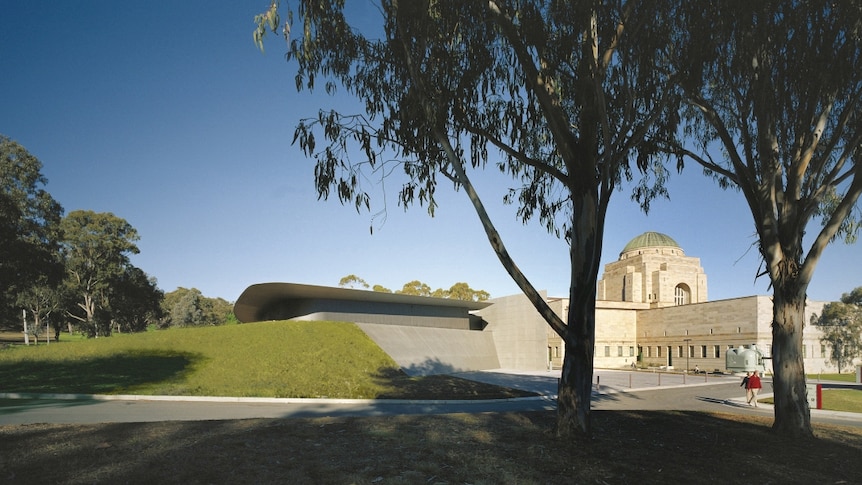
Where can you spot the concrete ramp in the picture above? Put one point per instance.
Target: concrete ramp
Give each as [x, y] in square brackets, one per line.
[428, 350]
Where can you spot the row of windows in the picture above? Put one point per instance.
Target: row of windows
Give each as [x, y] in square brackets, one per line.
[813, 350]
[619, 351]
[704, 351]
[714, 351]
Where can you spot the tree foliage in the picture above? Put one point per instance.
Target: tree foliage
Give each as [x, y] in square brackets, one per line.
[96, 249]
[135, 301]
[57, 267]
[567, 98]
[188, 307]
[841, 324]
[352, 281]
[29, 231]
[774, 90]
[458, 291]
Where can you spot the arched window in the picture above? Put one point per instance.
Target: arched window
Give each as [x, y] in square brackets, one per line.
[681, 295]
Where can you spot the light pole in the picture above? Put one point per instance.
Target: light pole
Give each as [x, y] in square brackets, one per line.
[687, 353]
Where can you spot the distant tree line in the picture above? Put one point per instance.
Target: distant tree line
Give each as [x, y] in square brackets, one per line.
[73, 272]
[458, 291]
[185, 307]
[841, 324]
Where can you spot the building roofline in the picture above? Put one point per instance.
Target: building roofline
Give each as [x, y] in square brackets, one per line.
[260, 295]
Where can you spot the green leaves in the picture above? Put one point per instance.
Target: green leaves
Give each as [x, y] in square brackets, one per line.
[268, 20]
[96, 249]
[841, 324]
[29, 228]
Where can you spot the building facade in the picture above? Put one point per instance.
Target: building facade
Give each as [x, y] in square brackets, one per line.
[652, 311]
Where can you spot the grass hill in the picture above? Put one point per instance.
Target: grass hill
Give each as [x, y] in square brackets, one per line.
[268, 359]
[337, 360]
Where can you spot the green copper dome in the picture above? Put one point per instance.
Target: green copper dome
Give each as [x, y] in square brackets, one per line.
[650, 240]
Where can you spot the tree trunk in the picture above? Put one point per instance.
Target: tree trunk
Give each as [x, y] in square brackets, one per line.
[575, 391]
[792, 415]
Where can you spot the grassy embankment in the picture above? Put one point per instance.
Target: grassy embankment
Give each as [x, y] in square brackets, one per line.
[337, 360]
[848, 400]
[271, 359]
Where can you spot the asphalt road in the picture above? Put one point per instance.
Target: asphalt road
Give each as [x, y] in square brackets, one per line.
[614, 390]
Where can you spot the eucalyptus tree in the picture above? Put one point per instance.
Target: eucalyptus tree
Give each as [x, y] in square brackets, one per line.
[134, 300]
[564, 97]
[841, 324]
[773, 90]
[96, 248]
[352, 281]
[29, 231]
[416, 288]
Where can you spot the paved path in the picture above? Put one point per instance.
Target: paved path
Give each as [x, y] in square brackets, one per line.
[616, 390]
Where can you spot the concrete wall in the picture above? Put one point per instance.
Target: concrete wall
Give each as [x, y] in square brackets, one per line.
[616, 334]
[724, 324]
[373, 312]
[519, 332]
[424, 351]
[700, 326]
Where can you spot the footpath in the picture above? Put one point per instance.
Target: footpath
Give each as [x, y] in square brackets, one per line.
[612, 389]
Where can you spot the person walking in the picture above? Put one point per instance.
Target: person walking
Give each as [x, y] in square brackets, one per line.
[744, 384]
[754, 386]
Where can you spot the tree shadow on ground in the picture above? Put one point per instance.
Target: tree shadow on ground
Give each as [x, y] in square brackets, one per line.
[101, 375]
[399, 384]
[512, 447]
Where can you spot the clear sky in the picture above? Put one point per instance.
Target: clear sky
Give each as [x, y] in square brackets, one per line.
[166, 114]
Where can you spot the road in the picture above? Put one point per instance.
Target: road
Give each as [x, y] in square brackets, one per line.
[615, 390]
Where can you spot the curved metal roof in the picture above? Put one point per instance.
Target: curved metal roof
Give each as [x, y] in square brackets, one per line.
[256, 297]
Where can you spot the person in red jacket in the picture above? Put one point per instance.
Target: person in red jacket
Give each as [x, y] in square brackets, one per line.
[754, 386]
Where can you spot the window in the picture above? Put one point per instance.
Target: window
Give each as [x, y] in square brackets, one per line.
[631, 351]
[649, 351]
[658, 351]
[619, 351]
[703, 351]
[607, 351]
[681, 295]
[822, 350]
[716, 352]
[691, 350]
[804, 356]
[679, 351]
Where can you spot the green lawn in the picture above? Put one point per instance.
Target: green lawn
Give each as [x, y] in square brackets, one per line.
[844, 377]
[848, 400]
[845, 400]
[271, 359]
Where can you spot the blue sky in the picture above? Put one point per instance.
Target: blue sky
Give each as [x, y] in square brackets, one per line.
[167, 115]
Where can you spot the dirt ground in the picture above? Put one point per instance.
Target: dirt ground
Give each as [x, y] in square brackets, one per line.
[646, 447]
[494, 448]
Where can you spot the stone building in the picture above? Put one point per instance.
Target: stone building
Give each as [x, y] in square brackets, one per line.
[651, 311]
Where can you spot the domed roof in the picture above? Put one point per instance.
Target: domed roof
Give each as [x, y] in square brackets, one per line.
[650, 240]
